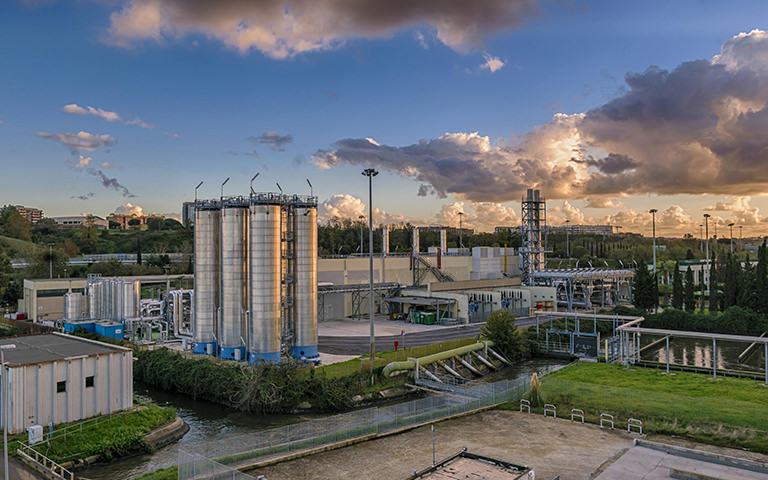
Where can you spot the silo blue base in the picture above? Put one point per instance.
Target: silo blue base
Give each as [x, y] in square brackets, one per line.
[305, 352]
[202, 348]
[254, 357]
[229, 353]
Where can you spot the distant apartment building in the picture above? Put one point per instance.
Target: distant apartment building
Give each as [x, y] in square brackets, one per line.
[79, 221]
[499, 230]
[188, 214]
[582, 229]
[34, 215]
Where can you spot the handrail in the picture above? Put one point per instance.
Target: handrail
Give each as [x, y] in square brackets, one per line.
[29, 453]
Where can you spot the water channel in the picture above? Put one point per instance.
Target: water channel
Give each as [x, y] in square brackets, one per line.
[696, 352]
[209, 421]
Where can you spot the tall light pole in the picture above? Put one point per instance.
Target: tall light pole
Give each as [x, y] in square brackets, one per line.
[198, 186]
[568, 241]
[370, 173]
[361, 218]
[252, 179]
[5, 405]
[653, 222]
[50, 260]
[730, 225]
[461, 231]
[222, 188]
[701, 237]
[706, 232]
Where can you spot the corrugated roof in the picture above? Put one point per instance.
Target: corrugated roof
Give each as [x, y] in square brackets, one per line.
[51, 347]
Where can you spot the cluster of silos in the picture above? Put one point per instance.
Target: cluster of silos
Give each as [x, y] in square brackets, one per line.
[256, 277]
[112, 299]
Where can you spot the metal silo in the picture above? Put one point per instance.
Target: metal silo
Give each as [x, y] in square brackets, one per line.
[90, 302]
[207, 256]
[73, 305]
[234, 271]
[305, 234]
[129, 291]
[263, 325]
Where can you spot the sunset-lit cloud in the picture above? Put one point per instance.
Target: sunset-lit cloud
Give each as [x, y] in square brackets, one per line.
[81, 141]
[280, 28]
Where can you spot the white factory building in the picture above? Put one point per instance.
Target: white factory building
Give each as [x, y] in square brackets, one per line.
[56, 378]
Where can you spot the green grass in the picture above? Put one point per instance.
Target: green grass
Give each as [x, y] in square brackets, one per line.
[358, 365]
[16, 248]
[726, 411]
[118, 436]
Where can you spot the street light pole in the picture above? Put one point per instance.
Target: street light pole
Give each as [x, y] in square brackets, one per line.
[461, 231]
[568, 241]
[741, 232]
[730, 225]
[361, 218]
[5, 405]
[653, 214]
[370, 173]
[706, 232]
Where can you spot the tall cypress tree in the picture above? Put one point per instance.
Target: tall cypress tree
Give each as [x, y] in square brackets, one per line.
[644, 288]
[732, 282]
[761, 278]
[714, 300]
[677, 288]
[690, 288]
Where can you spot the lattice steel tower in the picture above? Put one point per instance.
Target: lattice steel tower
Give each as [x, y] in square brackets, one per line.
[532, 254]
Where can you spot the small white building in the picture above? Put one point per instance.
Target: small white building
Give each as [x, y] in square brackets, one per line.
[57, 378]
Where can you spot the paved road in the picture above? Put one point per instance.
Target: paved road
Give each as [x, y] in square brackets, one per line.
[359, 345]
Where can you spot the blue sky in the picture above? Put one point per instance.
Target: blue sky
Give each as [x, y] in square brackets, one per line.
[181, 91]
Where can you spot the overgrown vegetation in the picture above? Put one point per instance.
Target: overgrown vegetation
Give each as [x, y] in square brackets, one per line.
[511, 342]
[731, 411]
[114, 437]
[735, 320]
[263, 387]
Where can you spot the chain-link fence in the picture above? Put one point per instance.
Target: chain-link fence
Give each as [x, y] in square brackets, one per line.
[249, 448]
[192, 465]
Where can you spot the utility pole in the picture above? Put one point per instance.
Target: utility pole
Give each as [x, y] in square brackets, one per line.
[370, 173]
[706, 231]
[461, 231]
[655, 279]
[361, 218]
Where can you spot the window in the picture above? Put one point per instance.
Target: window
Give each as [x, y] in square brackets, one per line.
[89, 381]
[61, 386]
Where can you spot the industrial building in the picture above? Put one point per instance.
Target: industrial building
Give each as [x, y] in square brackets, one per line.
[55, 378]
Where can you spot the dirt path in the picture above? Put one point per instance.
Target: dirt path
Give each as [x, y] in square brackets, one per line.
[552, 447]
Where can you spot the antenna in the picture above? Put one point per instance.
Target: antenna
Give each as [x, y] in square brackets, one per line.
[310, 188]
[198, 186]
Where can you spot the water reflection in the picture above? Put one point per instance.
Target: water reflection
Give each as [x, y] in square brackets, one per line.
[698, 353]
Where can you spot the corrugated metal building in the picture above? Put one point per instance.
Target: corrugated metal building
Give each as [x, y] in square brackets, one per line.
[57, 378]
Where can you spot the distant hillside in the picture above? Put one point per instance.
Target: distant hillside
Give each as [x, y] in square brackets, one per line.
[14, 248]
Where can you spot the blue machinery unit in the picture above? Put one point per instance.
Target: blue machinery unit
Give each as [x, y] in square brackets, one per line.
[256, 277]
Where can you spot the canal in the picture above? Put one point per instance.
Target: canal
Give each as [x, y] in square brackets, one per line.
[209, 421]
[694, 352]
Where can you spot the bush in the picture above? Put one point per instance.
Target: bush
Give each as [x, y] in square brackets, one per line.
[512, 343]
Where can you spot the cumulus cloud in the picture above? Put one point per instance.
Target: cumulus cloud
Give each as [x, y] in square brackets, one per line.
[75, 109]
[129, 209]
[281, 28]
[742, 211]
[602, 202]
[572, 214]
[81, 141]
[422, 40]
[481, 216]
[698, 128]
[492, 64]
[273, 140]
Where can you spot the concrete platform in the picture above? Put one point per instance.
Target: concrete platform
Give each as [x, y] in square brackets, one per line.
[648, 461]
[360, 328]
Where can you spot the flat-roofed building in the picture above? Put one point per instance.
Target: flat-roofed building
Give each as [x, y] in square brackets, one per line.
[34, 215]
[80, 221]
[55, 378]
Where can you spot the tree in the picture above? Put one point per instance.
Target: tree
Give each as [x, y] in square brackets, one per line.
[761, 278]
[14, 225]
[714, 301]
[644, 288]
[88, 233]
[172, 224]
[501, 329]
[732, 282]
[677, 288]
[134, 223]
[153, 224]
[113, 225]
[690, 288]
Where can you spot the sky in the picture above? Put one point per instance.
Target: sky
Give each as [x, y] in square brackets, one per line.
[609, 108]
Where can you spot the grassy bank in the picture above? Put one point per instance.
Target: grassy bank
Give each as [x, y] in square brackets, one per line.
[726, 411]
[108, 437]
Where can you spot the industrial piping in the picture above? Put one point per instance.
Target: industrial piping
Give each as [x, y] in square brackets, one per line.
[422, 361]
